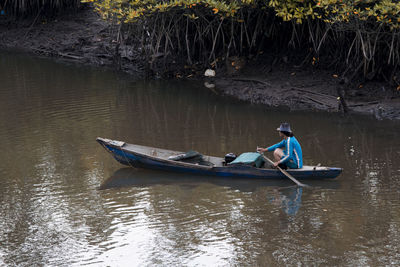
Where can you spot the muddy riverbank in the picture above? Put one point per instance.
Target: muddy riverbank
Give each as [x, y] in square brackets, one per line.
[86, 38]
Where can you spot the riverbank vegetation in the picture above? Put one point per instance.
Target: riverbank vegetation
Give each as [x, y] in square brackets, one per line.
[353, 38]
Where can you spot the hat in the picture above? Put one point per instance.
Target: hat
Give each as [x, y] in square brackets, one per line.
[285, 127]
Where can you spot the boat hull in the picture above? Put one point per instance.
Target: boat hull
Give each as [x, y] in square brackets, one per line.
[132, 158]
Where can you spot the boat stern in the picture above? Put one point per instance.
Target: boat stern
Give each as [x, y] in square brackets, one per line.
[115, 148]
[102, 141]
[105, 141]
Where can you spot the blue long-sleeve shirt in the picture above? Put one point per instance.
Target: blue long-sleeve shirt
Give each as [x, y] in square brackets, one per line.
[291, 149]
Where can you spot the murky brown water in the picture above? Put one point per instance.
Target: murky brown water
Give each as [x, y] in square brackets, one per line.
[65, 201]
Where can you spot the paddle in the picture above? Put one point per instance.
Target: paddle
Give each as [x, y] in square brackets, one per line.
[285, 173]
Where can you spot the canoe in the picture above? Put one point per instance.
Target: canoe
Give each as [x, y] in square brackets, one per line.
[169, 160]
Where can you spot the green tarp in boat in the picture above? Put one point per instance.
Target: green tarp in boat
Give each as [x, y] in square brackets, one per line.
[249, 158]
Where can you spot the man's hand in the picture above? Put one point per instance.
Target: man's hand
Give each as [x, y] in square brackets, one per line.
[276, 164]
[261, 150]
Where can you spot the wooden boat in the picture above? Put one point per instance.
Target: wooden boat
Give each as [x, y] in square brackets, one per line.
[168, 160]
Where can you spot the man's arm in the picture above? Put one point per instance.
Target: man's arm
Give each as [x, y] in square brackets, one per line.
[278, 145]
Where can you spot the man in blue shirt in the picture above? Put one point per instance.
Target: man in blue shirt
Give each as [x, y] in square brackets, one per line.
[287, 153]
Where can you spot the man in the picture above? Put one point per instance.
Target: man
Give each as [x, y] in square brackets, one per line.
[287, 153]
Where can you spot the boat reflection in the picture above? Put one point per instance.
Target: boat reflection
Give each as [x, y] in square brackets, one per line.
[281, 193]
[128, 176]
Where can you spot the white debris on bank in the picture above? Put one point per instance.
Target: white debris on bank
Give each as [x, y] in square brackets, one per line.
[209, 73]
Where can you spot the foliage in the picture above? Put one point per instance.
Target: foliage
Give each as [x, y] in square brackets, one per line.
[330, 11]
[385, 12]
[131, 11]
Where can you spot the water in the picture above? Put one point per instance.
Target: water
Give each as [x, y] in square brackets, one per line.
[64, 201]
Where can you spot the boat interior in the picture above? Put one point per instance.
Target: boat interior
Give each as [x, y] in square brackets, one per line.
[195, 158]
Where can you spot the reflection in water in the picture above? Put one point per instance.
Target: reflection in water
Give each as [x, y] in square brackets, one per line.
[141, 177]
[289, 199]
[53, 213]
[128, 177]
[282, 195]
